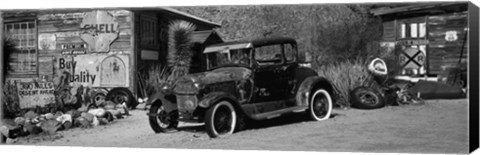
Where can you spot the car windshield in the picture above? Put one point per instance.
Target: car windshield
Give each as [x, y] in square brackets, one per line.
[229, 57]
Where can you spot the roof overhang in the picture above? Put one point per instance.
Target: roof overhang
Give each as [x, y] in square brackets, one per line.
[154, 9]
[420, 9]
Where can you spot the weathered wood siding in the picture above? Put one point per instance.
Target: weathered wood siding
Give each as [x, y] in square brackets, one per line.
[445, 52]
[63, 30]
[389, 31]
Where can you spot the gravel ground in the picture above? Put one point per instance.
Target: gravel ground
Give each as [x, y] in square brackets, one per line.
[439, 126]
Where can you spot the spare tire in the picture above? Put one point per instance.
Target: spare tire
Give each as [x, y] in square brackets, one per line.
[366, 98]
[120, 95]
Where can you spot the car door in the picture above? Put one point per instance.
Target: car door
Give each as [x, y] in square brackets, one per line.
[269, 83]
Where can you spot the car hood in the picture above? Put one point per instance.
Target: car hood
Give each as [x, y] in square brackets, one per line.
[219, 75]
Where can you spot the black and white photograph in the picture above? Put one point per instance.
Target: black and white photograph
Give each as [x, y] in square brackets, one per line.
[373, 77]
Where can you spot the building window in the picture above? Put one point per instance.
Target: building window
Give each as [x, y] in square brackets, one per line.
[149, 31]
[24, 35]
[412, 30]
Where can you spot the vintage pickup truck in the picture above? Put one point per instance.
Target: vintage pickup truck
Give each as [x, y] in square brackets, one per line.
[247, 80]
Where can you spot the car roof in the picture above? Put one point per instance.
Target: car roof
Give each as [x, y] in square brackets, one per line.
[249, 43]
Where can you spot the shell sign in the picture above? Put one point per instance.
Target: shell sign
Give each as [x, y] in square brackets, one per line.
[99, 30]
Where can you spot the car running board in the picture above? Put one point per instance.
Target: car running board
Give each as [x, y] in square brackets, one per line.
[278, 113]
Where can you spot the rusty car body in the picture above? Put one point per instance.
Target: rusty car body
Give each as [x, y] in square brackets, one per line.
[247, 80]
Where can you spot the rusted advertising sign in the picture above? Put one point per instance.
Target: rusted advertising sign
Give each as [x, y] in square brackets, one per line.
[33, 94]
[99, 30]
[98, 70]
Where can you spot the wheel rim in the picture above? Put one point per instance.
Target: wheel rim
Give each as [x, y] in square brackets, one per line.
[223, 119]
[368, 98]
[120, 97]
[321, 105]
[98, 98]
[164, 118]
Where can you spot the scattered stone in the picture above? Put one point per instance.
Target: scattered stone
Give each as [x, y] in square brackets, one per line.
[19, 121]
[99, 112]
[30, 115]
[74, 113]
[49, 116]
[51, 126]
[89, 117]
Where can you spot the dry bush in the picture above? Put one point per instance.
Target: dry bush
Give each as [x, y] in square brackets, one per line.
[345, 76]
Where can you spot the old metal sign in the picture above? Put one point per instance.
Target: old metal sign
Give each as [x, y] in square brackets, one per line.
[47, 41]
[97, 70]
[99, 30]
[412, 58]
[451, 35]
[73, 49]
[33, 94]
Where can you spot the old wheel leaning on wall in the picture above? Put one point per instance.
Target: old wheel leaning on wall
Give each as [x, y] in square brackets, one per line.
[366, 98]
[122, 95]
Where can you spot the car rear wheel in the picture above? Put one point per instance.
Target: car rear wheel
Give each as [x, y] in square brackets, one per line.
[161, 120]
[320, 106]
[220, 119]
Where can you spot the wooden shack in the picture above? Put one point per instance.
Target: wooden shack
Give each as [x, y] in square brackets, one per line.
[433, 37]
[96, 48]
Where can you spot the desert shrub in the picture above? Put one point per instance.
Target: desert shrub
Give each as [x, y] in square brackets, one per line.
[345, 76]
[156, 77]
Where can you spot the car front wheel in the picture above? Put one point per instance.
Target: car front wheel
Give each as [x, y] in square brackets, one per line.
[161, 120]
[220, 119]
[320, 106]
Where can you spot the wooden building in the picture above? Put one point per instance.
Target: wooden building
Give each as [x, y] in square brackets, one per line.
[97, 48]
[433, 37]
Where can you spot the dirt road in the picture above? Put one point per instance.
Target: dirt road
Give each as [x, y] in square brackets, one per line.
[439, 126]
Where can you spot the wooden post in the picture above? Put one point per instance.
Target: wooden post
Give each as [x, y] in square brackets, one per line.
[1, 65]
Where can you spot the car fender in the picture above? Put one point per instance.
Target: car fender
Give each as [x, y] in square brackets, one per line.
[168, 100]
[305, 89]
[214, 97]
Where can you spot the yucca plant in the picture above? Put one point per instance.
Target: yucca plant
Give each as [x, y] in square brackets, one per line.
[346, 76]
[180, 51]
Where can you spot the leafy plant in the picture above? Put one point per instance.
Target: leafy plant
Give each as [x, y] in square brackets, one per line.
[11, 103]
[156, 78]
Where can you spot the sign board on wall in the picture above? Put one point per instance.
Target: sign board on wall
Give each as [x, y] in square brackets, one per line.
[97, 70]
[412, 58]
[451, 36]
[99, 30]
[149, 55]
[33, 94]
[47, 41]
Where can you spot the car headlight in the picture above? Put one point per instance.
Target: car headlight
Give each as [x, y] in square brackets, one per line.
[198, 85]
